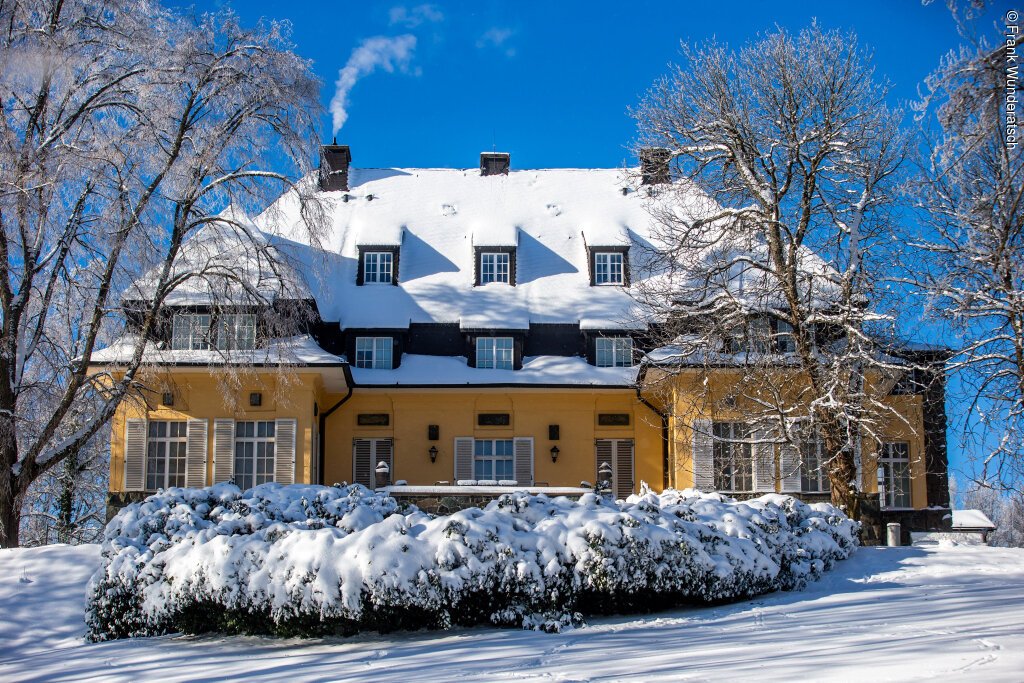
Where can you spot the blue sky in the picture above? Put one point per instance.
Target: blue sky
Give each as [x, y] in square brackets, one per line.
[551, 82]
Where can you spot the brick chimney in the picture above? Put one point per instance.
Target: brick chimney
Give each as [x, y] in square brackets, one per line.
[334, 162]
[654, 168]
[494, 163]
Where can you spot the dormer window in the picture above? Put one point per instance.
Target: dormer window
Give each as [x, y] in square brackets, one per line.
[495, 264]
[609, 266]
[374, 352]
[378, 265]
[201, 332]
[613, 352]
[784, 340]
[236, 332]
[496, 353]
[493, 267]
[191, 332]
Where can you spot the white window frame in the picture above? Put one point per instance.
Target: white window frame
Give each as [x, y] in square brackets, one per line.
[498, 268]
[495, 353]
[236, 331]
[887, 461]
[813, 477]
[732, 456]
[376, 353]
[268, 440]
[178, 443]
[191, 332]
[494, 458]
[785, 342]
[378, 267]
[609, 268]
[754, 336]
[613, 352]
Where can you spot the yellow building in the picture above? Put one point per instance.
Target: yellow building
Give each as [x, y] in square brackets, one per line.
[474, 333]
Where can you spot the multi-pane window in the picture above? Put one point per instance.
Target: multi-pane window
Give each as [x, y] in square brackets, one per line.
[784, 340]
[165, 454]
[236, 331]
[608, 268]
[254, 453]
[493, 459]
[191, 332]
[753, 337]
[614, 352]
[894, 461]
[494, 267]
[373, 352]
[495, 353]
[378, 267]
[813, 478]
[732, 456]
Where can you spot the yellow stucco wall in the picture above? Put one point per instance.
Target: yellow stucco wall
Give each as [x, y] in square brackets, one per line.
[692, 399]
[532, 411]
[198, 395]
[454, 410]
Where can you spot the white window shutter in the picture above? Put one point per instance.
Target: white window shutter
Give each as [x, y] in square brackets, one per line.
[523, 466]
[623, 468]
[223, 450]
[362, 462]
[284, 450]
[703, 456]
[463, 458]
[384, 452]
[134, 454]
[195, 453]
[763, 469]
[789, 462]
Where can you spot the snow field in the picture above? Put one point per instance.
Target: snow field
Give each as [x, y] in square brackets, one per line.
[314, 560]
[943, 612]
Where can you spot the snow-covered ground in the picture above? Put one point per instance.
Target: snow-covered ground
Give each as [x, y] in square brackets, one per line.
[886, 614]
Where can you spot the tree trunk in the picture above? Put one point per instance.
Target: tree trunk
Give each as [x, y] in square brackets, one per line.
[65, 505]
[10, 501]
[842, 470]
[10, 498]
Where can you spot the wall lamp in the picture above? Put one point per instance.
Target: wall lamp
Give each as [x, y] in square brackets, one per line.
[433, 453]
[554, 453]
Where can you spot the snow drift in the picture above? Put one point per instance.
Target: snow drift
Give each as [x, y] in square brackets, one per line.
[315, 560]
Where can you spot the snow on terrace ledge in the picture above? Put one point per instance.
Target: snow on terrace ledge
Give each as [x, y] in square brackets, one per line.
[298, 350]
[472, 489]
[453, 371]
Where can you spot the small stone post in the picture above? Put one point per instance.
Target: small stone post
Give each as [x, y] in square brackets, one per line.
[892, 534]
[383, 474]
[604, 477]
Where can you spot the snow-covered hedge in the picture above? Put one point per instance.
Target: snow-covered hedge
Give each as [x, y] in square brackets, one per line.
[314, 560]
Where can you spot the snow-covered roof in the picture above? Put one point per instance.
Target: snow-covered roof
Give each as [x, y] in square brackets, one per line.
[442, 215]
[228, 260]
[971, 519]
[453, 371]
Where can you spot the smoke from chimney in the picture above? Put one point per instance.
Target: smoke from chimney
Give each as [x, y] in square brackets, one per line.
[384, 52]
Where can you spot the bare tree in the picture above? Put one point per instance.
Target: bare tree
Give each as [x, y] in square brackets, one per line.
[771, 265]
[67, 504]
[969, 193]
[126, 128]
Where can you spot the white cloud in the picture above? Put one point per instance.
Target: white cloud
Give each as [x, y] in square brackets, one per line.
[415, 16]
[497, 37]
[384, 52]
